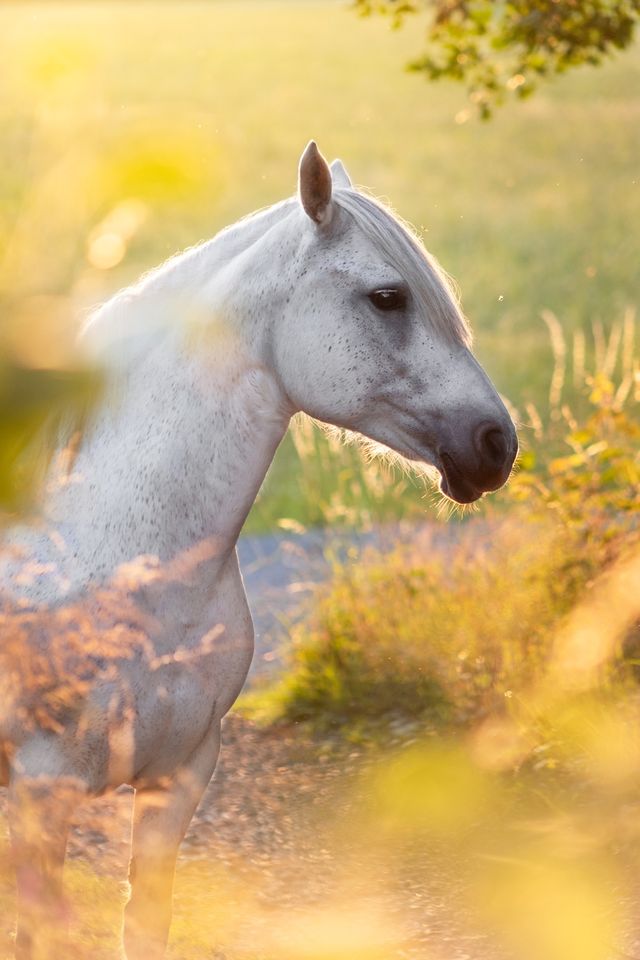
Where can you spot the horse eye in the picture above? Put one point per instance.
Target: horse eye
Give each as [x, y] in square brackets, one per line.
[388, 299]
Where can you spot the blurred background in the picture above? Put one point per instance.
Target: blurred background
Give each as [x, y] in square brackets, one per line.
[465, 692]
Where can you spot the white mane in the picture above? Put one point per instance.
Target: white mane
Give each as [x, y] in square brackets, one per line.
[109, 328]
[119, 330]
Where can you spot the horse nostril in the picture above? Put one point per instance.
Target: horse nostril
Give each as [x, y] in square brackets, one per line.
[492, 445]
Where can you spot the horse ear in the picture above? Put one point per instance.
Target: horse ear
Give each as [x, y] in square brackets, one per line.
[341, 179]
[314, 185]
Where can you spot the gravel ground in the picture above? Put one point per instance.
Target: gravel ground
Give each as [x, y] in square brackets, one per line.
[276, 839]
[274, 861]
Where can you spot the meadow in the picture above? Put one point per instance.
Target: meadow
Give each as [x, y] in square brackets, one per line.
[131, 130]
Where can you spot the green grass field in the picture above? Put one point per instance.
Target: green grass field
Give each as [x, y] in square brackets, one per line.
[159, 123]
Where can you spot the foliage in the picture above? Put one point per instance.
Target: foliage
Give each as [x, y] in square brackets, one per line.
[498, 47]
[442, 634]
[31, 399]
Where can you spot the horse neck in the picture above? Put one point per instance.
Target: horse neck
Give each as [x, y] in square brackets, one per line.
[179, 455]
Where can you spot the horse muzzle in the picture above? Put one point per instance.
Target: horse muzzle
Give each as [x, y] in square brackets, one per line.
[479, 466]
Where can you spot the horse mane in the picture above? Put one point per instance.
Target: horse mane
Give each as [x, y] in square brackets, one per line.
[109, 325]
[400, 244]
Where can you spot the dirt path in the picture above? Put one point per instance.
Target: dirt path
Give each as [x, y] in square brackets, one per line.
[272, 864]
[275, 867]
[273, 856]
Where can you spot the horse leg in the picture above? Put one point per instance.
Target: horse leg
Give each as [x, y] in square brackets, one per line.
[160, 821]
[40, 810]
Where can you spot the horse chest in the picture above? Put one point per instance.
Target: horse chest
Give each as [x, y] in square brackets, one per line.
[193, 685]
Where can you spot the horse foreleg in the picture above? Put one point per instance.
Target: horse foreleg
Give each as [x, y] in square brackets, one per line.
[39, 814]
[160, 821]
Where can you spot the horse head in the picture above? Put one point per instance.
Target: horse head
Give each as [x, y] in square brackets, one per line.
[372, 339]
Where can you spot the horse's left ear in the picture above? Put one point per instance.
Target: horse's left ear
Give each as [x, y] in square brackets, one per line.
[314, 185]
[341, 179]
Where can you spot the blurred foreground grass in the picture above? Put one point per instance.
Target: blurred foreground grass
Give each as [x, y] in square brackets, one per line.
[113, 159]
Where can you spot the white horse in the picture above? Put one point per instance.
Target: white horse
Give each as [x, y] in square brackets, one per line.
[324, 303]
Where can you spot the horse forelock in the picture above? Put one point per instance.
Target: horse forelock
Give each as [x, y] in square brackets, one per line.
[430, 285]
